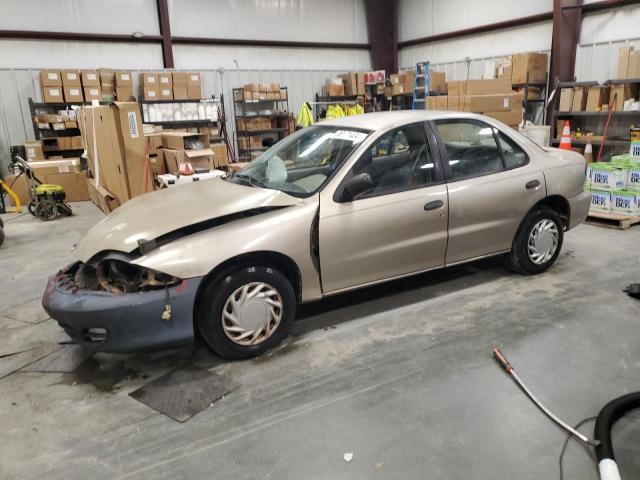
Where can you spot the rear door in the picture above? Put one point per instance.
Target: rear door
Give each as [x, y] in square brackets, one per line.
[491, 185]
[396, 228]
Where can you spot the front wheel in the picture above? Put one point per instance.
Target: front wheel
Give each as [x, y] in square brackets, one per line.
[247, 312]
[538, 241]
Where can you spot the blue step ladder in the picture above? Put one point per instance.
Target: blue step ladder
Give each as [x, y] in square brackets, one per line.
[421, 88]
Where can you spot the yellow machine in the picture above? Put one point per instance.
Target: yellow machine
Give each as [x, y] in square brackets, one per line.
[12, 194]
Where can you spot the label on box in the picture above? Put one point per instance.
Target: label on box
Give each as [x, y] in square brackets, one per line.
[31, 152]
[74, 91]
[164, 80]
[124, 76]
[151, 79]
[194, 78]
[166, 93]
[54, 92]
[133, 124]
[505, 102]
[52, 76]
[151, 93]
[63, 169]
[93, 91]
[71, 76]
[91, 76]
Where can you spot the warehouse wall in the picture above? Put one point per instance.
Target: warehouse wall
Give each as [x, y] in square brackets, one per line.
[601, 36]
[420, 18]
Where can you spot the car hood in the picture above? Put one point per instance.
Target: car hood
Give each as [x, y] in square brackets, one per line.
[152, 215]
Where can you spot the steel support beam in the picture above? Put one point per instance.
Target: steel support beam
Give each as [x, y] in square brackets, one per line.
[266, 43]
[77, 37]
[165, 33]
[564, 40]
[382, 26]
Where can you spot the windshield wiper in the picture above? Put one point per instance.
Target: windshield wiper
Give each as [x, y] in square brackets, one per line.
[251, 180]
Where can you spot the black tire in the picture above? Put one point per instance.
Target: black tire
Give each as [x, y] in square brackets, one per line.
[519, 257]
[46, 210]
[212, 299]
[1, 236]
[32, 208]
[65, 209]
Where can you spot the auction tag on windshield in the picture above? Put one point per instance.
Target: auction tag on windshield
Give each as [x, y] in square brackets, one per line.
[349, 135]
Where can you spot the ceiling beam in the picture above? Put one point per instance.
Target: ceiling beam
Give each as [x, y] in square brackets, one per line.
[165, 33]
[382, 27]
[266, 43]
[491, 27]
[77, 37]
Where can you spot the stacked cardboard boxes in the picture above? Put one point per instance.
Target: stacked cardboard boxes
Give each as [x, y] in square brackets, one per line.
[116, 153]
[91, 85]
[179, 82]
[123, 85]
[51, 83]
[107, 83]
[628, 63]
[181, 148]
[261, 91]
[353, 83]
[165, 86]
[72, 86]
[171, 86]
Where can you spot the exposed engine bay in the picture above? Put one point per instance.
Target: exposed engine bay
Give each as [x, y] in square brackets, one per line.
[119, 277]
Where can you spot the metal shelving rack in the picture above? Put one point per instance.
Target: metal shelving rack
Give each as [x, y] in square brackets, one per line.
[43, 133]
[621, 121]
[529, 104]
[246, 109]
[336, 100]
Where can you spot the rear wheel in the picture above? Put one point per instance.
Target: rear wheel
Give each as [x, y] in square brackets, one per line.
[47, 210]
[247, 312]
[538, 241]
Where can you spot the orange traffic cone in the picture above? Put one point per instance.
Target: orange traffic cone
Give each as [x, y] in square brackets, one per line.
[565, 140]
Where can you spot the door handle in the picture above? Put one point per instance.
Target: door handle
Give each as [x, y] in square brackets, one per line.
[433, 205]
[532, 184]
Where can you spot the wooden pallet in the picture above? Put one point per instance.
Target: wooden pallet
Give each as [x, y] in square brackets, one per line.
[612, 220]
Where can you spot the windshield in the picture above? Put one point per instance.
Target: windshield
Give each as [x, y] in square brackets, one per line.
[301, 163]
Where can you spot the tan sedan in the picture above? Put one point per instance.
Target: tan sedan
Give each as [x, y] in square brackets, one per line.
[334, 207]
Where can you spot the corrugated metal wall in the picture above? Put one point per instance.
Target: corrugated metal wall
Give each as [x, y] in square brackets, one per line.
[17, 85]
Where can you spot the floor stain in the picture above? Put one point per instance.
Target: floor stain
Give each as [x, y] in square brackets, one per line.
[103, 375]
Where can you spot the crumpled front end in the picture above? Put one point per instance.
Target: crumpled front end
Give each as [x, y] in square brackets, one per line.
[119, 307]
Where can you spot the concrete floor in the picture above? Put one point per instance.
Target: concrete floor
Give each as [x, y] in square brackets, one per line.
[400, 375]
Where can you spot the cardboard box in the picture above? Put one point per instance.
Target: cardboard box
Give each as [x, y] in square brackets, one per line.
[123, 79]
[531, 66]
[166, 93]
[90, 78]
[199, 159]
[493, 103]
[194, 79]
[58, 126]
[92, 93]
[124, 94]
[634, 65]
[71, 78]
[107, 91]
[154, 142]
[396, 89]
[46, 167]
[194, 92]
[408, 81]
[220, 155]
[101, 197]
[624, 54]
[180, 92]
[165, 80]
[179, 79]
[453, 102]
[185, 140]
[151, 93]
[74, 184]
[437, 82]
[604, 176]
[52, 94]
[149, 79]
[510, 117]
[76, 142]
[432, 103]
[566, 100]
[600, 201]
[596, 97]
[453, 88]
[121, 148]
[360, 82]
[349, 83]
[333, 90]
[73, 94]
[624, 202]
[157, 163]
[107, 76]
[442, 102]
[487, 87]
[33, 151]
[70, 124]
[50, 78]
[579, 99]
[622, 92]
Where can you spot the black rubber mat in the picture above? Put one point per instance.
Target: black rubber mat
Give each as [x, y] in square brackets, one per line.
[184, 392]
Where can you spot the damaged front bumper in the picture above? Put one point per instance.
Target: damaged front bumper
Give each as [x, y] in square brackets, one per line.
[121, 322]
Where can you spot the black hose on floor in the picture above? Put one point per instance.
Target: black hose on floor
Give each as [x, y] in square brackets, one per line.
[607, 417]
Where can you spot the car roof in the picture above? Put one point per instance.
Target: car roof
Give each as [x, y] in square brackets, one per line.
[385, 120]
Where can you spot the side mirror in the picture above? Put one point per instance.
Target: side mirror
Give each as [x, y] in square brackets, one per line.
[355, 186]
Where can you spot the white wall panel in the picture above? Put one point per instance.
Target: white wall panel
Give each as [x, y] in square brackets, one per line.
[504, 42]
[66, 54]
[611, 25]
[92, 16]
[295, 20]
[421, 18]
[200, 56]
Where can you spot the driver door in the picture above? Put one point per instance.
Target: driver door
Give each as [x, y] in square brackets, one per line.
[396, 228]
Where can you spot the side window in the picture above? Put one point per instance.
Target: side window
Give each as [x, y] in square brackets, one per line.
[400, 160]
[471, 148]
[513, 155]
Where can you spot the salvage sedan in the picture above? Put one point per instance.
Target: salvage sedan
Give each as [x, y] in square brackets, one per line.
[334, 207]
